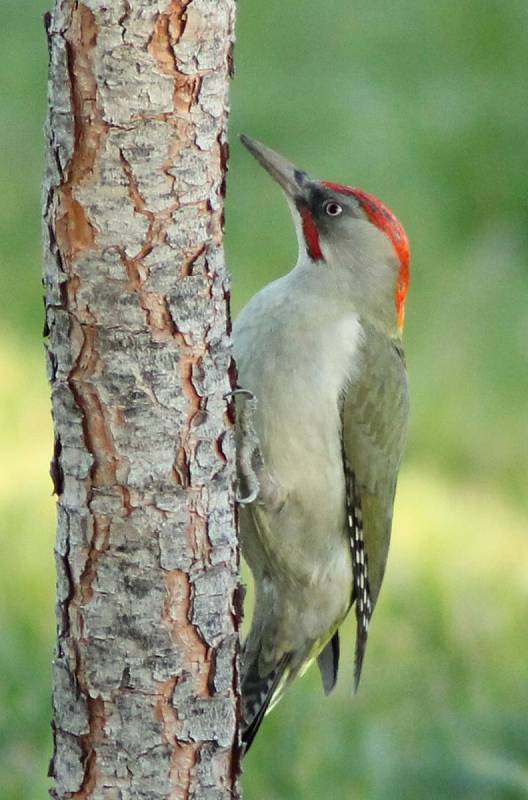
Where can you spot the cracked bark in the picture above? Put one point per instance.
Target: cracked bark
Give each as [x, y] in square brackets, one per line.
[137, 313]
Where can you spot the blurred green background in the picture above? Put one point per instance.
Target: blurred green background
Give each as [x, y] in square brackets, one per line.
[424, 104]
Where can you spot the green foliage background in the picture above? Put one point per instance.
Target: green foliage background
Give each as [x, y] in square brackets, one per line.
[425, 105]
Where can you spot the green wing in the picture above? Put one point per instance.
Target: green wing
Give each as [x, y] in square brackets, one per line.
[375, 421]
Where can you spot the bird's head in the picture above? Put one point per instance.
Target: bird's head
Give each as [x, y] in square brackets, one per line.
[346, 230]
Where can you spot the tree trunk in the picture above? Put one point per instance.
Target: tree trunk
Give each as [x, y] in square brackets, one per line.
[137, 312]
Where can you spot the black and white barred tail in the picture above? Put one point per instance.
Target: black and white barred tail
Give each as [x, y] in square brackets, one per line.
[258, 694]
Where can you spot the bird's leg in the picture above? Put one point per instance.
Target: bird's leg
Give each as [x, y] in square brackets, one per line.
[249, 455]
[250, 463]
[260, 484]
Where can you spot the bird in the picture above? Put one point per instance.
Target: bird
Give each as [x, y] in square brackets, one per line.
[320, 351]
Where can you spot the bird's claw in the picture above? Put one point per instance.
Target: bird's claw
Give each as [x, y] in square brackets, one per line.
[239, 390]
[245, 501]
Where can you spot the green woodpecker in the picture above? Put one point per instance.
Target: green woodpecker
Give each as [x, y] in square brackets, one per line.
[320, 349]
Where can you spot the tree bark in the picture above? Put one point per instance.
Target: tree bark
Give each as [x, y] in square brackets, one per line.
[137, 313]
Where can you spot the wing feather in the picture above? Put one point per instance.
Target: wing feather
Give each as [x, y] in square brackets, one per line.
[375, 420]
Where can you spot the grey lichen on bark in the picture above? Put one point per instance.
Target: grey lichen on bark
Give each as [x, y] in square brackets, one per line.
[137, 313]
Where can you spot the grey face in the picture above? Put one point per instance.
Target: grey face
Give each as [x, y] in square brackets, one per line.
[329, 210]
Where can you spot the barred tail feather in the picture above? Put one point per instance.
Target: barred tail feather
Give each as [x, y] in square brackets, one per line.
[257, 695]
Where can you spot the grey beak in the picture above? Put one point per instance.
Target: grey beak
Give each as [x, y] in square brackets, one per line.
[292, 180]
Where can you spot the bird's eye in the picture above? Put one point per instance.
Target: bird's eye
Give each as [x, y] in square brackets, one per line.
[332, 208]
